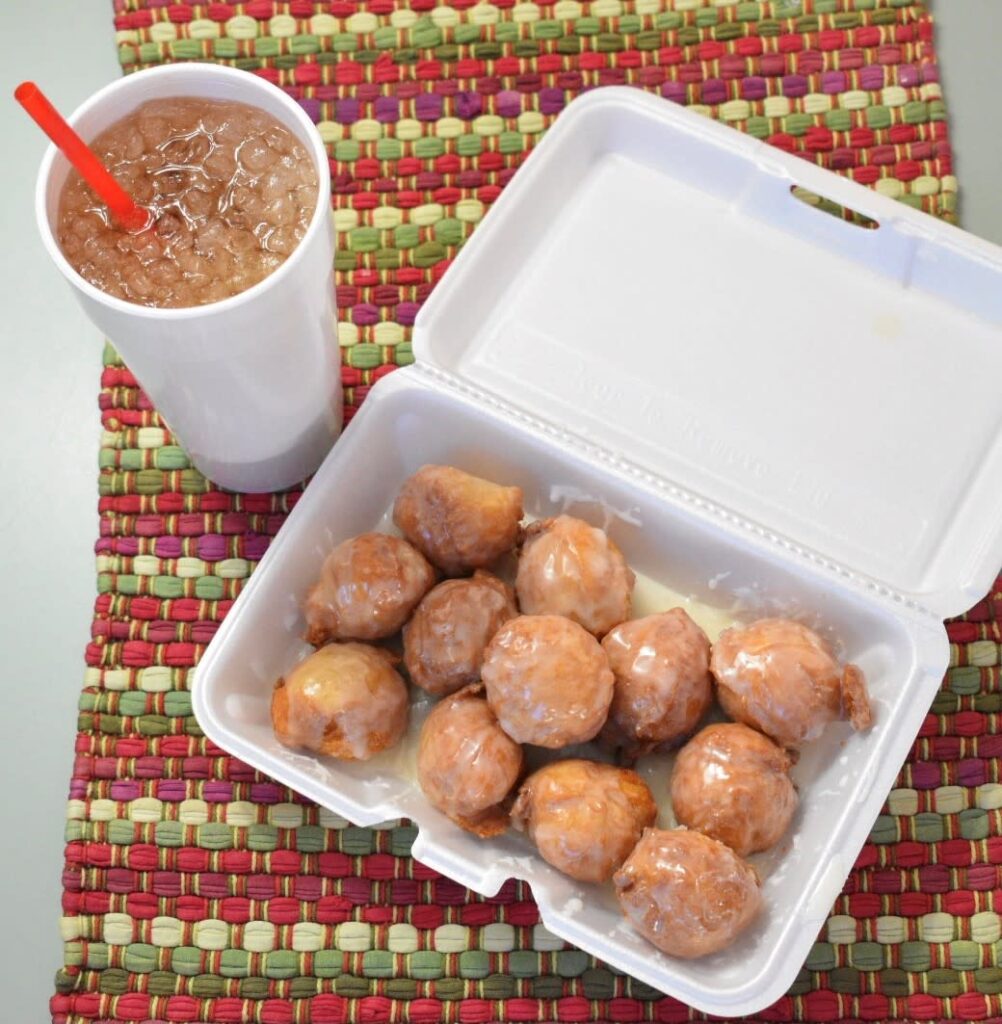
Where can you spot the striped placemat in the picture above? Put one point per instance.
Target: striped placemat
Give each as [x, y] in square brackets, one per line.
[198, 890]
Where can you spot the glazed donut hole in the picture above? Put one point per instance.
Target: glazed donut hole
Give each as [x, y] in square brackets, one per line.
[584, 817]
[459, 521]
[548, 681]
[467, 766]
[345, 700]
[446, 638]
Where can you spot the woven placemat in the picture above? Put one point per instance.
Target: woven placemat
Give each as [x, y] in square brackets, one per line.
[198, 890]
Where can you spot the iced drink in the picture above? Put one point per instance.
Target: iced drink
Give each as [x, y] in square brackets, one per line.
[231, 192]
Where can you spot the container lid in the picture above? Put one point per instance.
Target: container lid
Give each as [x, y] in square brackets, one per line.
[649, 283]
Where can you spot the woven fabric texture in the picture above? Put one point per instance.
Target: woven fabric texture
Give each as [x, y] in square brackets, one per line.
[196, 889]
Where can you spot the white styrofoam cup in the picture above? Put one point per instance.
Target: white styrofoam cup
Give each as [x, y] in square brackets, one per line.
[249, 384]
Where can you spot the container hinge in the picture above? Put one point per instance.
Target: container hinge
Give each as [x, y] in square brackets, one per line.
[690, 500]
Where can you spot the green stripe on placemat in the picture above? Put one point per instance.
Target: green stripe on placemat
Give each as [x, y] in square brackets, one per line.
[198, 890]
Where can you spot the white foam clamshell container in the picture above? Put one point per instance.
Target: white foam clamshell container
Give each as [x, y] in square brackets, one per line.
[775, 402]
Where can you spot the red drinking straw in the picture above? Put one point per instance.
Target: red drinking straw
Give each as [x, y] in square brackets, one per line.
[128, 213]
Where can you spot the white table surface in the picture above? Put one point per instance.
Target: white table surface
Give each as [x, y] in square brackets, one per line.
[49, 417]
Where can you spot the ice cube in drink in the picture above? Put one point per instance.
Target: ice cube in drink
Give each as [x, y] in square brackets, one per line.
[231, 192]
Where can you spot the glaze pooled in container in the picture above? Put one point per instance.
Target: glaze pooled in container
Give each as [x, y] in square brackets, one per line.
[583, 816]
[567, 567]
[548, 681]
[444, 641]
[781, 678]
[467, 765]
[368, 587]
[687, 893]
[733, 784]
[459, 521]
[663, 683]
[344, 700]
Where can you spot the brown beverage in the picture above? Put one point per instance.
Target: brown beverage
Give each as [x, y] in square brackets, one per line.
[231, 191]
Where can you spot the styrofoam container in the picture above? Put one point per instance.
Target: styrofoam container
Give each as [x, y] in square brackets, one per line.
[772, 406]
